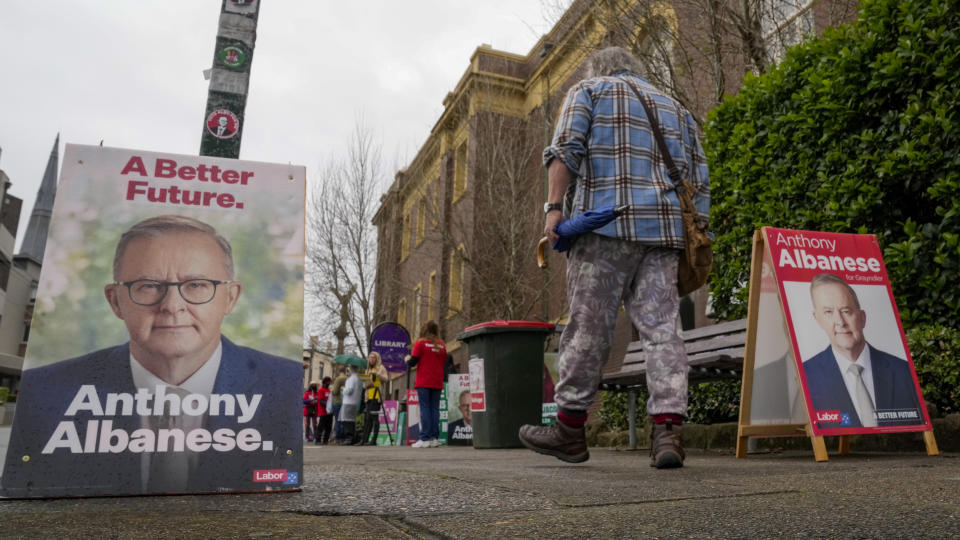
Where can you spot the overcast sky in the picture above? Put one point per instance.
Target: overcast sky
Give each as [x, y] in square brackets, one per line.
[129, 73]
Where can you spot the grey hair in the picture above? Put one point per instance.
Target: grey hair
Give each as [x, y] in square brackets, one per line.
[830, 279]
[161, 225]
[611, 60]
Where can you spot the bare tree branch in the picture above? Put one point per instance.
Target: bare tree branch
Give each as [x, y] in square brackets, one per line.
[341, 242]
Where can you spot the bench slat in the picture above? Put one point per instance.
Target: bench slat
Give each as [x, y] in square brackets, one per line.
[719, 342]
[729, 327]
[713, 352]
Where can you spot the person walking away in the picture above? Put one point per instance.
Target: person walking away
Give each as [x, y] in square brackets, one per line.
[605, 152]
[352, 394]
[337, 391]
[310, 412]
[374, 399]
[429, 355]
[324, 414]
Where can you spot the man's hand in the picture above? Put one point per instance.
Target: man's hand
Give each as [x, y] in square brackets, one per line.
[550, 223]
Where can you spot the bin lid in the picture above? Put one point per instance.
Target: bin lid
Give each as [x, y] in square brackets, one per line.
[492, 327]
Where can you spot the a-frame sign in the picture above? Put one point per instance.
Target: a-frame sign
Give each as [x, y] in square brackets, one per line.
[825, 352]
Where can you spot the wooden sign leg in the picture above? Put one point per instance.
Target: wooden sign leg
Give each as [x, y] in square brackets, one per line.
[931, 443]
[819, 448]
[844, 444]
[742, 443]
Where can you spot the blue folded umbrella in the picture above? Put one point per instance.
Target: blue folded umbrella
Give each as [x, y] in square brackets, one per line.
[584, 223]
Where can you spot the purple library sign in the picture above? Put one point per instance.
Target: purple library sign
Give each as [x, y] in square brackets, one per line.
[392, 341]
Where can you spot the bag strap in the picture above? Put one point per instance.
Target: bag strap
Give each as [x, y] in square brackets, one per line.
[658, 135]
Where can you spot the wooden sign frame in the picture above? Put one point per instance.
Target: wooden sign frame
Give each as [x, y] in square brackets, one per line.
[791, 426]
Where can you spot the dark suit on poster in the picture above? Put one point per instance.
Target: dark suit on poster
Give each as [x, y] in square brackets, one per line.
[46, 393]
[892, 383]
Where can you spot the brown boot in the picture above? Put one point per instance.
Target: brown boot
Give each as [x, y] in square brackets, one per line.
[666, 446]
[559, 440]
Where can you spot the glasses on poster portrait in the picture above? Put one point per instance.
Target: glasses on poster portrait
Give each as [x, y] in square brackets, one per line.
[149, 292]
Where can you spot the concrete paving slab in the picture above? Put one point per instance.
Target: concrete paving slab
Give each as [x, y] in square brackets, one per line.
[384, 492]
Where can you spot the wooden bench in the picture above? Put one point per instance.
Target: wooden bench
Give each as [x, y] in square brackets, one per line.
[714, 352]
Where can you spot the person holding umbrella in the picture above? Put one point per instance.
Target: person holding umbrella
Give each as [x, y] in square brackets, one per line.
[605, 150]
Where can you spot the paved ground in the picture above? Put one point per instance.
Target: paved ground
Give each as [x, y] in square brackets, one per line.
[364, 492]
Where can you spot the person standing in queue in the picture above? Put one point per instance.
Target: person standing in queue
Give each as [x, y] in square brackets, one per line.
[337, 391]
[352, 394]
[310, 412]
[374, 399]
[324, 412]
[429, 356]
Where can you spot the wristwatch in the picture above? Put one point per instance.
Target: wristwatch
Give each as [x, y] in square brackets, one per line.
[551, 206]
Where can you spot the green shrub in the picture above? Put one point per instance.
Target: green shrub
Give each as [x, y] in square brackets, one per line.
[613, 409]
[708, 403]
[714, 402]
[857, 132]
[936, 356]
[4, 394]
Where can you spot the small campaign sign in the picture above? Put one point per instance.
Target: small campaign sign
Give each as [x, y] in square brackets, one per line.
[825, 351]
[846, 333]
[478, 390]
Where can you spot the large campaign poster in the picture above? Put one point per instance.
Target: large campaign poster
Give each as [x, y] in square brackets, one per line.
[165, 342]
[852, 356]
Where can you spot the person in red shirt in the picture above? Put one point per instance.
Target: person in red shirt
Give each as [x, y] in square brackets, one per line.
[429, 356]
[310, 412]
[324, 416]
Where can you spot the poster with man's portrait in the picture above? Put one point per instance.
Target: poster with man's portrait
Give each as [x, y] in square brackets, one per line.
[166, 337]
[459, 417]
[855, 367]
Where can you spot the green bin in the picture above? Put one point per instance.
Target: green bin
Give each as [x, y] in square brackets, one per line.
[506, 379]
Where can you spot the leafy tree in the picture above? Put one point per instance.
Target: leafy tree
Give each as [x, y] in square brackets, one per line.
[856, 131]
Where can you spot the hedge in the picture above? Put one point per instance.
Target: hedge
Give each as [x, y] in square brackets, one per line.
[936, 356]
[856, 131]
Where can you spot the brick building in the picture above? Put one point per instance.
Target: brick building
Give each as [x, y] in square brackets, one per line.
[20, 273]
[457, 229]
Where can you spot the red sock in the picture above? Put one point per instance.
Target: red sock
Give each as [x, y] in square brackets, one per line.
[570, 420]
[676, 419]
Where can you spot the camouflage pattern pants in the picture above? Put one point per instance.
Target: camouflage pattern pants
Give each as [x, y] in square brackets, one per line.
[602, 272]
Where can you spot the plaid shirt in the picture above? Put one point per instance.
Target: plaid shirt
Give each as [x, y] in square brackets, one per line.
[603, 136]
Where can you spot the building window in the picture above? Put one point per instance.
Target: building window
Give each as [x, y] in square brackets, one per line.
[402, 312]
[4, 272]
[421, 220]
[655, 47]
[460, 172]
[405, 237]
[456, 280]
[785, 23]
[432, 296]
[434, 204]
[417, 302]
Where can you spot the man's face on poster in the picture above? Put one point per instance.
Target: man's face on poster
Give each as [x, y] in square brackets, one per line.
[465, 407]
[173, 328]
[838, 314]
